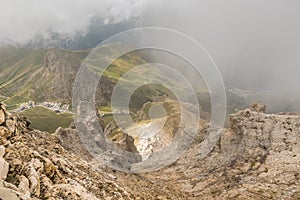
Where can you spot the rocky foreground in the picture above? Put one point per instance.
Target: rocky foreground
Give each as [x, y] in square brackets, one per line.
[258, 157]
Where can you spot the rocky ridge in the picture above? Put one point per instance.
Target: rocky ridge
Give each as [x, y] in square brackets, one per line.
[35, 166]
[257, 157]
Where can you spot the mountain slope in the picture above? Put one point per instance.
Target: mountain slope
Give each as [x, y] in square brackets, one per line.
[256, 158]
[49, 74]
[35, 73]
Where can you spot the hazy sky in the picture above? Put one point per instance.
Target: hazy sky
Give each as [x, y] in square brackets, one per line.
[255, 43]
[23, 20]
[244, 35]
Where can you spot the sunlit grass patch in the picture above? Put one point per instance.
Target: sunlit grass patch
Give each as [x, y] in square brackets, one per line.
[46, 120]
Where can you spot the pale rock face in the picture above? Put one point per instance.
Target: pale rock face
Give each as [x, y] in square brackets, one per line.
[257, 157]
[2, 151]
[4, 166]
[258, 107]
[10, 125]
[36, 166]
[63, 71]
[8, 194]
[2, 117]
[24, 185]
[34, 180]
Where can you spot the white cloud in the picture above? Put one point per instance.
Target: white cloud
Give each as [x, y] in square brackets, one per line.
[22, 20]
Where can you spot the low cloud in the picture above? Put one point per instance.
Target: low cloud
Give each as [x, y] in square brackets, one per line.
[21, 20]
[255, 43]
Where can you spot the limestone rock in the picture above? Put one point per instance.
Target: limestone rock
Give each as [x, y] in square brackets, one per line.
[10, 125]
[258, 107]
[24, 186]
[65, 191]
[8, 185]
[34, 180]
[37, 164]
[8, 194]
[4, 132]
[2, 151]
[257, 157]
[4, 167]
[70, 140]
[50, 168]
[2, 116]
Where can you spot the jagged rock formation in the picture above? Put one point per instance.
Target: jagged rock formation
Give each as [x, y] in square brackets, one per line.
[258, 107]
[40, 168]
[119, 137]
[45, 75]
[256, 158]
[62, 69]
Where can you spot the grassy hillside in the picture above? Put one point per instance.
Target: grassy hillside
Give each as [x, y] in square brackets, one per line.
[25, 75]
[48, 75]
[46, 120]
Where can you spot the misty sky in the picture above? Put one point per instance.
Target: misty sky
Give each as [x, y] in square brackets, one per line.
[23, 20]
[255, 43]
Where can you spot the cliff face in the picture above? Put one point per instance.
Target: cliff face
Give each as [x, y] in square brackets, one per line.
[44, 75]
[36, 166]
[61, 69]
[256, 158]
[61, 73]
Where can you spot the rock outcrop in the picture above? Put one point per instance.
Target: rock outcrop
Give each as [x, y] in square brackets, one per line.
[257, 157]
[3, 164]
[258, 107]
[63, 69]
[36, 166]
[120, 137]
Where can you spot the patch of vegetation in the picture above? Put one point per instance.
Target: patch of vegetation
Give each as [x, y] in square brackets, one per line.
[46, 120]
[107, 119]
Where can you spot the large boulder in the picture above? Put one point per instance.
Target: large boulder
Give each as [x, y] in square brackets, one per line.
[8, 194]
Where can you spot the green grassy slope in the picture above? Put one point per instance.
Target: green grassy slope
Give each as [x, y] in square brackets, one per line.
[47, 120]
[24, 76]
